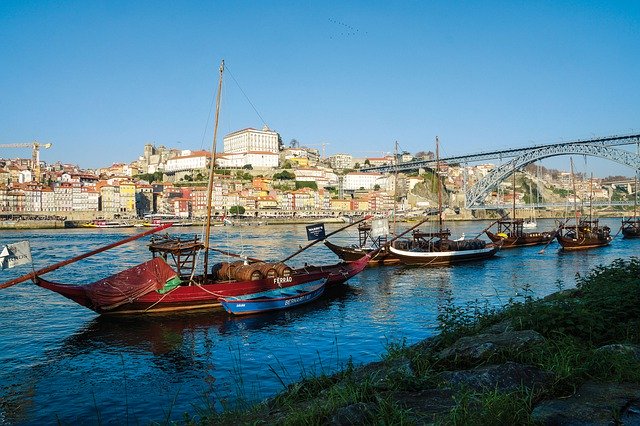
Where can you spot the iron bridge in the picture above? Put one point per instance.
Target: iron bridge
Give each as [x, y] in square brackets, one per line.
[521, 157]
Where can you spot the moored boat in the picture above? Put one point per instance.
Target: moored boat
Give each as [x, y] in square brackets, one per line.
[588, 234]
[276, 299]
[101, 223]
[631, 227]
[155, 287]
[367, 243]
[511, 234]
[436, 249]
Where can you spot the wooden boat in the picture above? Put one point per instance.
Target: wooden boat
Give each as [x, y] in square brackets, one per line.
[155, 286]
[588, 234]
[369, 242]
[511, 234]
[108, 296]
[272, 300]
[366, 244]
[436, 248]
[511, 231]
[631, 227]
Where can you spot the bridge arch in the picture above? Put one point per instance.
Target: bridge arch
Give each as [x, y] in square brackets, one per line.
[476, 194]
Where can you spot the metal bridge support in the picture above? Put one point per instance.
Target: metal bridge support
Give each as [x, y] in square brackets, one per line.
[476, 195]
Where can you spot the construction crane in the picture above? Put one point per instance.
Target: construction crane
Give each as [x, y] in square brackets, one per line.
[35, 154]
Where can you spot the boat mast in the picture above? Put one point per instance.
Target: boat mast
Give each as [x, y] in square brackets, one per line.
[438, 180]
[591, 198]
[212, 166]
[513, 193]
[395, 186]
[575, 194]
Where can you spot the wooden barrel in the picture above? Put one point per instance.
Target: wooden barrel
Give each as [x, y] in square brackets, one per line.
[267, 270]
[282, 270]
[227, 270]
[248, 273]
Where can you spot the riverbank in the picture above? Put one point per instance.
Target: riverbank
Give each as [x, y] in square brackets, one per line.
[27, 222]
[570, 358]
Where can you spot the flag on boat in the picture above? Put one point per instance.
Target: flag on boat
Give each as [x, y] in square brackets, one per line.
[315, 232]
[15, 254]
[379, 228]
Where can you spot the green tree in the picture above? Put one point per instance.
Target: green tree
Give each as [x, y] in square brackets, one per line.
[284, 175]
[236, 210]
[312, 185]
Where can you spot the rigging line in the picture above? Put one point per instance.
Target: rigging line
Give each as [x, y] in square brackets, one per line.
[245, 95]
[206, 126]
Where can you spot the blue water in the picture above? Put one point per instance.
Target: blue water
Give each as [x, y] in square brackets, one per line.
[62, 362]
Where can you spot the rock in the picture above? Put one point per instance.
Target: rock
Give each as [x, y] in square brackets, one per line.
[354, 414]
[486, 345]
[632, 351]
[501, 327]
[384, 374]
[593, 404]
[506, 377]
[426, 404]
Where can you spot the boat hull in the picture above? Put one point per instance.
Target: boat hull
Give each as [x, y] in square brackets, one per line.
[206, 296]
[350, 254]
[444, 258]
[582, 243]
[524, 240]
[282, 298]
[631, 227]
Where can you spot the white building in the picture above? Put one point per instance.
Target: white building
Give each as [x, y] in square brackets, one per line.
[358, 180]
[257, 160]
[341, 161]
[248, 140]
[188, 160]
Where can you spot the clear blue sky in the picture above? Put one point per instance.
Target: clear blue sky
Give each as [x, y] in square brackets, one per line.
[101, 79]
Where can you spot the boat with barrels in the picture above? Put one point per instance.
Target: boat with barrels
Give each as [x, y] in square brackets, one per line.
[586, 235]
[436, 248]
[156, 287]
[510, 232]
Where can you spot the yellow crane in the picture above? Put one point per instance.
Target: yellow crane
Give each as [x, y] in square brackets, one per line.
[35, 154]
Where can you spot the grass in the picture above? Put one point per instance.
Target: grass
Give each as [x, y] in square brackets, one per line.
[603, 309]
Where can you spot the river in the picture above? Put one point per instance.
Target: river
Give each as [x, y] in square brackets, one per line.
[63, 363]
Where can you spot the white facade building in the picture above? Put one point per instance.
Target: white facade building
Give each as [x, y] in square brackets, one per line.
[341, 161]
[358, 180]
[189, 161]
[257, 160]
[248, 140]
